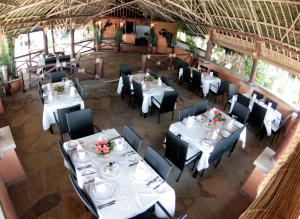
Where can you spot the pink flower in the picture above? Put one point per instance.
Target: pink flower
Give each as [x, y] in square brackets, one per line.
[216, 112]
[222, 116]
[105, 149]
[99, 148]
[215, 120]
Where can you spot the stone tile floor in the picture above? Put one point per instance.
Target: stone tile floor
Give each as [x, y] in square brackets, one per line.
[46, 191]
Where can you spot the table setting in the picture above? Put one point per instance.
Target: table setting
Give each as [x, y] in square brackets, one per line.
[203, 132]
[208, 79]
[120, 183]
[58, 95]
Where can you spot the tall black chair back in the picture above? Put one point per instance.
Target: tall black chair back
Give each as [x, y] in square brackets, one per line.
[232, 90]
[168, 101]
[165, 80]
[233, 139]
[125, 69]
[259, 96]
[152, 72]
[67, 158]
[158, 163]
[83, 197]
[201, 107]
[64, 58]
[218, 151]
[138, 92]
[132, 138]
[186, 76]
[40, 96]
[242, 99]
[257, 115]
[79, 87]
[196, 80]
[80, 123]
[57, 76]
[274, 104]
[222, 87]
[186, 112]
[126, 84]
[241, 112]
[61, 118]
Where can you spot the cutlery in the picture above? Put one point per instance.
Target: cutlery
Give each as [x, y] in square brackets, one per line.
[132, 164]
[114, 138]
[152, 181]
[92, 180]
[86, 174]
[128, 153]
[107, 204]
[158, 185]
[84, 167]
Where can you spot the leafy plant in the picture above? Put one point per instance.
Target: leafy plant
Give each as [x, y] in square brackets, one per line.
[118, 36]
[169, 37]
[191, 43]
[7, 54]
[100, 34]
[151, 37]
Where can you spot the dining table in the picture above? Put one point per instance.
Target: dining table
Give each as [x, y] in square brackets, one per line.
[197, 131]
[272, 115]
[151, 89]
[121, 176]
[53, 100]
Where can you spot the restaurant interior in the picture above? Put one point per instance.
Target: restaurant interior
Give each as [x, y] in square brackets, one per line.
[149, 109]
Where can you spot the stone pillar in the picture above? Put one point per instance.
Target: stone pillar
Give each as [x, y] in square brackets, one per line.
[255, 57]
[45, 42]
[144, 63]
[72, 42]
[209, 45]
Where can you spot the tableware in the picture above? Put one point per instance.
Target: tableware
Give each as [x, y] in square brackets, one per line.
[140, 173]
[107, 204]
[111, 169]
[102, 190]
[84, 167]
[225, 133]
[82, 158]
[73, 144]
[159, 185]
[132, 157]
[152, 181]
[120, 145]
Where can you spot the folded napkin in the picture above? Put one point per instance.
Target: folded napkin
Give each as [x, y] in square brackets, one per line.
[254, 96]
[99, 187]
[230, 124]
[159, 82]
[189, 121]
[81, 152]
[140, 171]
[119, 144]
[211, 74]
[215, 135]
[72, 91]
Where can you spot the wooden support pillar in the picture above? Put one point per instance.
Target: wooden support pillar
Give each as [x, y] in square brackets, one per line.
[144, 63]
[46, 51]
[255, 57]
[72, 42]
[94, 33]
[209, 45]
[28, 44]
[53, 41]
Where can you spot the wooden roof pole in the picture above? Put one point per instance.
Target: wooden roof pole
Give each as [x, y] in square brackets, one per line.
[209, 45]
[255, 56]
[72, 41]
[28, 44]
[53, 41]
[45, 38]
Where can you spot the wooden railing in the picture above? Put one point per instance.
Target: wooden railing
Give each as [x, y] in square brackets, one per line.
[85, 46]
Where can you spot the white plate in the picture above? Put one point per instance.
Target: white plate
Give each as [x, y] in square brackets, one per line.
[131, 158]
[105, 191]
[73, 144]
[225, 133]
[148, 174]
[110, 172]
[87, 157]
[205, 143]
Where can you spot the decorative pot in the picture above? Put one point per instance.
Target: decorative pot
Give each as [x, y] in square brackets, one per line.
[98, 47]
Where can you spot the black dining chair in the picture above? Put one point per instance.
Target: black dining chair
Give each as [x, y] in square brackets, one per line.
[87, 201]
[218, 91]
[241, 112]
[138, 94]
[67, 158]
[234, 138]
[158, 163]
[259, 96]
[126, 89]
[132, 138]
[196, 81]
[48, 61]
[186, 112]
[277, 128]
[274, 104]
[186, 75]
[64, 58]
[80, 123]
[153, 73]
[215, 74]
[242, 99]
[232, 90]
[57, 76]
[257, 116]
[40, 96]
[201, 107]
[165, 80]
[176, 152]
[166, 105]
[79, 87]
[61, 119]
[125, 69]
[40, 86]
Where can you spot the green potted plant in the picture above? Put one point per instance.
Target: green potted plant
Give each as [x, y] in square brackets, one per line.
[118, 38]
[191, 44]
[152, 40]
[169, 38]
[99, 34]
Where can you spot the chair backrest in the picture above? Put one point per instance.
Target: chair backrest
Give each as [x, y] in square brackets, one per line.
[83, 197]
[257, 114]
[132, 138]
[176, 150]
[216, 74]
[40, 96]
[168, 101]
[126, 84]
[79, 87]
[186, 76]
[67, 158]
[64, 58]
[274, 104]
[283, 122]
[62, 119]
[180, 64]
[259, 96]
[80, 123]
[152, 72]
[241, 112]
[186, 112]
[40, 86]
[77, 82]
[196, 80]
[57, 76]
[50, 60]
[201, 107]
[158, 163]
[232, 90]
[138, 92]
[125, 69]
[218, 150]
[232, 139]
[165, 80]
[242, 99]
[223, 86]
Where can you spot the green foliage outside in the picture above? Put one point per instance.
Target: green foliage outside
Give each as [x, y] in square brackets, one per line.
[190, 41]
[7, 54]
[118, 37]
[151, 37]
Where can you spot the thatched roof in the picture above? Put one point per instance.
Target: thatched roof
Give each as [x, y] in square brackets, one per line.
[237, 24]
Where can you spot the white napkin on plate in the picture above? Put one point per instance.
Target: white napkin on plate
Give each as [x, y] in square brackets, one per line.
[140, 171]
[215, 135]
[159, 82]
[269, 104]
[189, 121]
[254, 96]
[119, 144]
[99, 187]
[72, 91]
[230, 124]
[211, 74]
[81, 152]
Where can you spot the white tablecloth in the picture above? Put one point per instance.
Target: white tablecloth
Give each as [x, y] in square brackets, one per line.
[270, 116]
[139, 196]
[193, 134]
[207, 81]
[61, 101]
[152, 90]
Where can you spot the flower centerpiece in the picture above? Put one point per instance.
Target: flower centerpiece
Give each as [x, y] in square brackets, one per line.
[150, 78]
[58, 88]
[103, 147]
[218, 117]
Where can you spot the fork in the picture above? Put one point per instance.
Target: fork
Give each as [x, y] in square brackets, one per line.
[107, 204]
